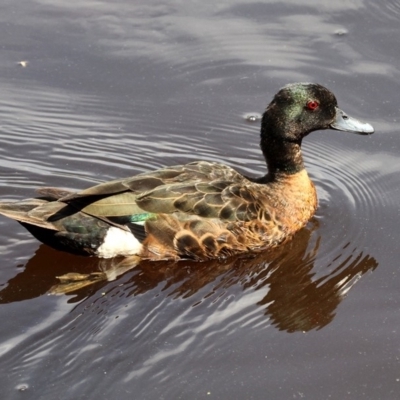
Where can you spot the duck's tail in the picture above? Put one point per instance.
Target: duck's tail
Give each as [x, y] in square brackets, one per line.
[41, 211]
[57, 224]
[31, 211]
[66, 228]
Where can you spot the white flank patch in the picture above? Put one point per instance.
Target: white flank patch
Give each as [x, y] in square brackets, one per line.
[118, 242]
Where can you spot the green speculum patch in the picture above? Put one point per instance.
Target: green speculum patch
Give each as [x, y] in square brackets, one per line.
[140, 217]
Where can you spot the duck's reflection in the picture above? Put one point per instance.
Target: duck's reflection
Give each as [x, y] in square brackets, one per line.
[296, 299]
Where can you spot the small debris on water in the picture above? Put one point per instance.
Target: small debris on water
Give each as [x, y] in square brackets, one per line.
[252, 117]
[23, 64]
[341, 32]
[22, 387]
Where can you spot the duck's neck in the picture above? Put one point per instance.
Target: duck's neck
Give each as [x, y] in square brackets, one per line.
[283, 156]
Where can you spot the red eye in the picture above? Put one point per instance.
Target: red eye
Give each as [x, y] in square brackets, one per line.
[312, 105]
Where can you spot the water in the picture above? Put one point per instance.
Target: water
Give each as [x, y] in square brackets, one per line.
[115, 89]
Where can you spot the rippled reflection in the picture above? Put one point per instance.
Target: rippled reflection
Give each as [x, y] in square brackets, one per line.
[293, 297]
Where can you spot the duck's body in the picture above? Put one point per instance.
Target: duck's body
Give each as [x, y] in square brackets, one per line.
[200, 210]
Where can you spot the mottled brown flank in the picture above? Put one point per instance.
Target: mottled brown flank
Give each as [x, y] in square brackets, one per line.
[241, 217]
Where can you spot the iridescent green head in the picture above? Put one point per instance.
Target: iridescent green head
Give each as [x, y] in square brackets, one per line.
[300, 108]
[295, 111]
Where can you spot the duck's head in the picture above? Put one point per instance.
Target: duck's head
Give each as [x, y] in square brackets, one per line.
[296, 110]
[300, 108]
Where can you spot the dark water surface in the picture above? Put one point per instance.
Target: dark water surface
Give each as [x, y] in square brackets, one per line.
[112, 89]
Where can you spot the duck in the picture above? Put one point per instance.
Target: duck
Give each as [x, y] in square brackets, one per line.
[201, 210]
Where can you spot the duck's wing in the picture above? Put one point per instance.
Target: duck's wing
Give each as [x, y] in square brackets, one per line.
[222, 199]
[217, 199]
[208, 190]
